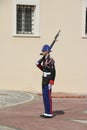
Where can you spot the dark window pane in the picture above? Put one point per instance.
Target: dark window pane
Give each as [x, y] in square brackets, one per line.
[24, 19]
[86, 23]
[19, 18]
[28, 20]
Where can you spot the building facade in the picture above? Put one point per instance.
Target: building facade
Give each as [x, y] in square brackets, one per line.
[25, 26]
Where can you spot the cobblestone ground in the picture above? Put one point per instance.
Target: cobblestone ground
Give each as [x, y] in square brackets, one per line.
[10, 98]
[70, 112]
[7, 128]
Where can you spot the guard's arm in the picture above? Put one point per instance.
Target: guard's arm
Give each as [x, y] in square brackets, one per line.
[39, 65]
[53, 73]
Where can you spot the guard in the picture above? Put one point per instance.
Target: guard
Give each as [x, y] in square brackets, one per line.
[47, 65]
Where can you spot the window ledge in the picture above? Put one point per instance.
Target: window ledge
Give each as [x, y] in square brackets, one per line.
[84, 36]
[26, 35]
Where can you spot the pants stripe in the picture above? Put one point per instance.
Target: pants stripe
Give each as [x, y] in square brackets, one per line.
[50, 101]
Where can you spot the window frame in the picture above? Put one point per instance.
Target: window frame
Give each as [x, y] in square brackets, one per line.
[84, 24]
[35, 3]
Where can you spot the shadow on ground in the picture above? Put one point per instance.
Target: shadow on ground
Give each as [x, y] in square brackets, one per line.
[58, 112]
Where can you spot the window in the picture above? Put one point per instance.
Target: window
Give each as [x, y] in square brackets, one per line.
[84, 18]
[25, 18]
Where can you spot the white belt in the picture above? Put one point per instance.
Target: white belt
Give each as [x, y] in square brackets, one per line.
[45, 74]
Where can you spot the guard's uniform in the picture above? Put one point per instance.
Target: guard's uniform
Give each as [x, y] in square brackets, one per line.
[47, 65]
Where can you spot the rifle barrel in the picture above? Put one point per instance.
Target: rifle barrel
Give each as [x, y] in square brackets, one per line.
[55, 39]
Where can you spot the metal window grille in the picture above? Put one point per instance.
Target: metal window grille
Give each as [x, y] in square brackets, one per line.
[25, 19]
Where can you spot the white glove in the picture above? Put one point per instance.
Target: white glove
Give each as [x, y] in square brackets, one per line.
[37, 63]
[50, 86]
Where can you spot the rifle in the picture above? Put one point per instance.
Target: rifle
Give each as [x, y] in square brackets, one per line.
[55, 39]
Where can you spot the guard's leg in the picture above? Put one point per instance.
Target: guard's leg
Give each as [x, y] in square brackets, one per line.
[47, 100]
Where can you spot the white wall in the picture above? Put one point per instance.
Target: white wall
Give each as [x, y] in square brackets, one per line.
[18, 54]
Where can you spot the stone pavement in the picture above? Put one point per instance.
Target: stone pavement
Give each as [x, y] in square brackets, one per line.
[10, 98]
[70, 112]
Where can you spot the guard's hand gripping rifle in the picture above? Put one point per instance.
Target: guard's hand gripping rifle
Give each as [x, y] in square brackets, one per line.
[55, 39]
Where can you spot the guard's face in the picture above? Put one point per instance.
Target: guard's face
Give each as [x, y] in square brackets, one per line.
[45, 53]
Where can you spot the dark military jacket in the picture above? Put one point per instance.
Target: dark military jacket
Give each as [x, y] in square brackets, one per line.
[47, 65]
